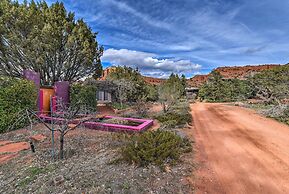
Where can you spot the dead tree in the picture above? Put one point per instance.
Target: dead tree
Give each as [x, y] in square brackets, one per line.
[123, 89]
[66, 119]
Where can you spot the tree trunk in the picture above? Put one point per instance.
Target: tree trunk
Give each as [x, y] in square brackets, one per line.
[61, 146]
[121, 105]
[164, 107]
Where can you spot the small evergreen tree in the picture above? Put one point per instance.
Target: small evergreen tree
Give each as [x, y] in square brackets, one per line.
[184, 83]
[171, 91]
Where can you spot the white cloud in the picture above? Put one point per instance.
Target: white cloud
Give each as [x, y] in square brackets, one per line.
[148, 63]
[129, 9]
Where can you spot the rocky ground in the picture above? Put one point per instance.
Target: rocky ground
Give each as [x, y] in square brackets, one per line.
[89, 167]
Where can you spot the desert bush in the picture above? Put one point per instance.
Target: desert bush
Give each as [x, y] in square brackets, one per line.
[279, 112]
[15, 96]
[152, 93]
[117, 121]
[272, 85]
[178, 115]
[118, 106]
[169, 123]
[141, 108]
[182, 105]
[175, 117]
[83, 95]
[154, 147]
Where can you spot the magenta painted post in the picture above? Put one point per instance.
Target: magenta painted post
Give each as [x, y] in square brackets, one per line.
[54, 104]
[40, 101]
[62, 91]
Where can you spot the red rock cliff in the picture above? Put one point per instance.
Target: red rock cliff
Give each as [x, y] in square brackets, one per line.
[238, 72]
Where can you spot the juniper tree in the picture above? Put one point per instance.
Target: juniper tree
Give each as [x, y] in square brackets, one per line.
[123, 90]
[171, 91]
[46, 39]
[272, 85]
[218, 89]
[134, 78]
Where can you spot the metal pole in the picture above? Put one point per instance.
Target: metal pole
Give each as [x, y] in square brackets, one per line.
[52, 131]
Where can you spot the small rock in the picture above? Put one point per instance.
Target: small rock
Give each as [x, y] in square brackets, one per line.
[58, 180]
[168, 169]
[38, 138]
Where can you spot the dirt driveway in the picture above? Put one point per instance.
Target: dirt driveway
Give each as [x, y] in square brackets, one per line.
[239, 151]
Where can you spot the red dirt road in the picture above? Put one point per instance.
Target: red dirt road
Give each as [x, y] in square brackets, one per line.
[239, 151]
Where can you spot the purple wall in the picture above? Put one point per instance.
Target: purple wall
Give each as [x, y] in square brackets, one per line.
[32, 76]
[62, 91]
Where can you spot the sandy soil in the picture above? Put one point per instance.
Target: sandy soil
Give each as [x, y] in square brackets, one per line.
[89, 167]
[239, 151]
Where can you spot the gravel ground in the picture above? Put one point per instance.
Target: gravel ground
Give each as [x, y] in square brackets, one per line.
[89, 167]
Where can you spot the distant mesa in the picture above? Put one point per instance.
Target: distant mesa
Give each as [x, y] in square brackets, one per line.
[197, 80]
[237, 72]
[153, 80]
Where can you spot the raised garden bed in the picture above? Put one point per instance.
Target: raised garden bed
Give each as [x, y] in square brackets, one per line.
[131, 124]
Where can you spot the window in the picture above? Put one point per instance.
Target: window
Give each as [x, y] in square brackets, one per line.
[103, 96]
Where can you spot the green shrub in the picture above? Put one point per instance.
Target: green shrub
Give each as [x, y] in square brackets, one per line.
[154, 147]
[179, 114]
[32, 173]
[15, 95]
[83, 95]
[218, 89]
[278, 112]
[152, 93]
[272, 85]
[117, 121]
[118, 106]
[179, 118]
[169, 123]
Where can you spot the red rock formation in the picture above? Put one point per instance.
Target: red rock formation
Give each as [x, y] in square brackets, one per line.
[238, 72]
[244, 71]
[106, 72]
[153, 81]
[197, 80]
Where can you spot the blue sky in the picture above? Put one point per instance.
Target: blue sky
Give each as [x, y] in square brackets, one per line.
[187, 36]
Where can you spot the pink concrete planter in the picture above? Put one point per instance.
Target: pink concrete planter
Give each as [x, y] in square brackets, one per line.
[144, 124]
